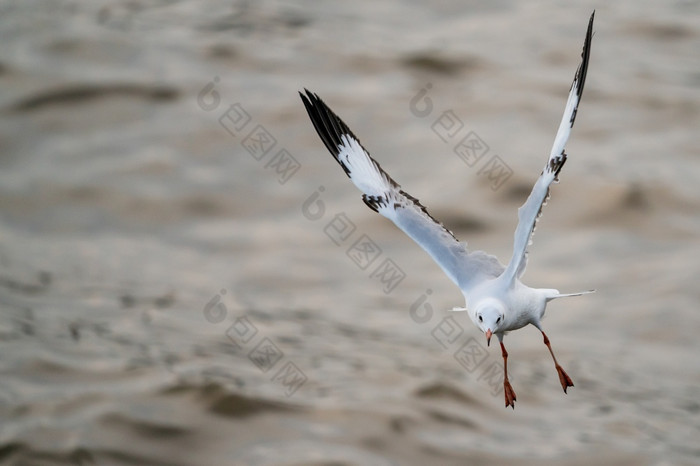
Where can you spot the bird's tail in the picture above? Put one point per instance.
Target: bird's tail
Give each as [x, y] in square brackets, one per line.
[555, 294]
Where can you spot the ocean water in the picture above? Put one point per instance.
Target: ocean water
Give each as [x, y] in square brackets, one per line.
[182, 279]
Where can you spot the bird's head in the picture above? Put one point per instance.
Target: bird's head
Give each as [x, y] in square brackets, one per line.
[489, 316]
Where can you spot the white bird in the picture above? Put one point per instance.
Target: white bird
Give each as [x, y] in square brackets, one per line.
[495, 298]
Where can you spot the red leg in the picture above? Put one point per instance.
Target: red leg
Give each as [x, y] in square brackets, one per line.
[507, 389]
[564, 379]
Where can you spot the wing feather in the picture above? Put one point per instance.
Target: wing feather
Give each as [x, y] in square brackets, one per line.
[384, 195]
[530, 212]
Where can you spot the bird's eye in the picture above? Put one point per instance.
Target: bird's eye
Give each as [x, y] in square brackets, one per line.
[481, 319]
[498, 320]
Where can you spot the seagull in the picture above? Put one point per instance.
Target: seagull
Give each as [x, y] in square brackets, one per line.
[495, 298]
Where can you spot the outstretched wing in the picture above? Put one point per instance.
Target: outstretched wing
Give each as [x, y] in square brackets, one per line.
[532, 209]
[383, 195]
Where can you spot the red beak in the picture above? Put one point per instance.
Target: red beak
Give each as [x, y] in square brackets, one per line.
[488, 337]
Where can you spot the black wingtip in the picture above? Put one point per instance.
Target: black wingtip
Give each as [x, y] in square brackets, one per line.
[582, 70]
[307, 95]
[585, 55]
[328, 125]
[309, 98]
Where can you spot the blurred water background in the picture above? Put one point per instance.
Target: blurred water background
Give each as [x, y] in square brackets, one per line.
[182, 279]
